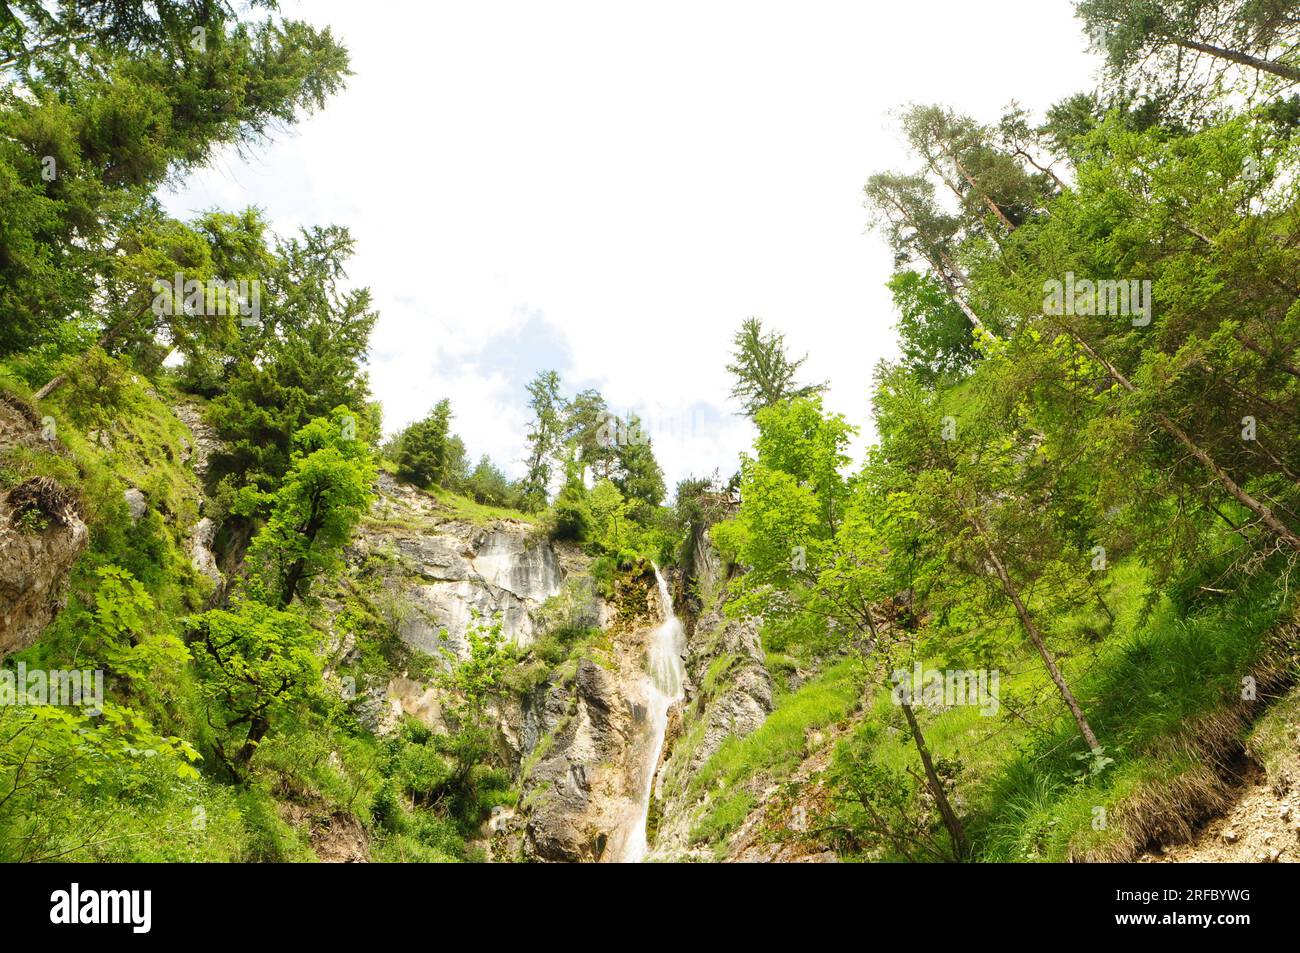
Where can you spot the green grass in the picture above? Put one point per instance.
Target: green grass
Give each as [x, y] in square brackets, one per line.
[480, 514]
[1162, 695]
[1273, 741]
[451, 506]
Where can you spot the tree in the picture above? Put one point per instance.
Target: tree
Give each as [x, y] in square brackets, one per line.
[301, 360]
[609, 513]
[822, 556]
[934, 335]
[425, 451]
[142, 304]
[588, 422]
[107, 99]
[314, 512]
[793, 499]
[255, 662]
[1181, 49]
[487, 484]
[453, 769]
[963, 155]
[637, 473]
[545, 435]
[571, 516]
[919, 231]
[763, 371]
[965, 480]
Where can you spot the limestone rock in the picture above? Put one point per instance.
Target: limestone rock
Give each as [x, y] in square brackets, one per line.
[136, 504]
[201, 555]
[205, 441]
[451, 572]
[572, 794]
[34, 560]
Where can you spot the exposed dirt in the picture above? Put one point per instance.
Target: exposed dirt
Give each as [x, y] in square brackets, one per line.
[1262, 826]
[336, 838]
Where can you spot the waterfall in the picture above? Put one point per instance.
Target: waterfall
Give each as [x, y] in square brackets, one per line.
[665, 674]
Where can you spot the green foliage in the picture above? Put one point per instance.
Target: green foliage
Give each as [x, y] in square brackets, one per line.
[68, 774]
[255, 662]
[571, 517]
[879, 810]
[479, 677]
[609, 513]
[1179, 52]
[488, 485]
[314, 512]
[115, 115]
[742, 767]
[545, 434]
[425, 453]
[764, 373]
[636, 473]
[933, 333]
[300, 361]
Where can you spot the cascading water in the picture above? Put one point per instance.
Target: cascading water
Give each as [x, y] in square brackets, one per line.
[663, 685]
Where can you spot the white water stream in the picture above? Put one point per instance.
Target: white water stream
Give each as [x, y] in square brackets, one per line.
[663, 686]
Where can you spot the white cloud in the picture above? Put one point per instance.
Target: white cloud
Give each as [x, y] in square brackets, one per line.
[638, 179]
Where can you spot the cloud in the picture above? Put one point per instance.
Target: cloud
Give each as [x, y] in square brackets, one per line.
[611, 189]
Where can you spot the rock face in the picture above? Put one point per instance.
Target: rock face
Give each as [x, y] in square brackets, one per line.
[197, 452]
[205, 441]
[201, 555]
[445, 574]
[452, 572]
[36, 553]
[588, 734]
[577, 742]
[34, 567]
[576, 795]
[741, 698]
[498, 573]
[136, 504]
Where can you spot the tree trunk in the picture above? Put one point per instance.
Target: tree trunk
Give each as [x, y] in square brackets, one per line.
[58, 380]
[257, 730]
[1259, 349]
[960, 846]
[991, 205]
[1241, 59]
[293, 576]
[1031, 629]
[1266, 515]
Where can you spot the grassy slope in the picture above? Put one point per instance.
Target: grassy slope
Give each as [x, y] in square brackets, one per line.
[1163, 695]
[1163, 692]
[742, 768]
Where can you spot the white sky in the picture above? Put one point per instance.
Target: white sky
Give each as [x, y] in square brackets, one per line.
[609, 189]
